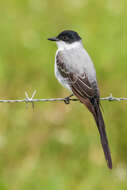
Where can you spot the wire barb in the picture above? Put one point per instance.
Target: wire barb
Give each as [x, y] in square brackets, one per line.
[30, 100]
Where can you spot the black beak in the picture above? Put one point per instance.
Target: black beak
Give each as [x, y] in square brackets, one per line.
[53, 39]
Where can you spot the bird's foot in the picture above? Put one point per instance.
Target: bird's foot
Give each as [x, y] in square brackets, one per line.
[67, 99]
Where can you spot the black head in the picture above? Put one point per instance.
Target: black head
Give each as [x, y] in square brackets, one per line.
[67, 36]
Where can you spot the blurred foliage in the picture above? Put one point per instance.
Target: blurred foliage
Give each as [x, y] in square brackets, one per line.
[57, 147]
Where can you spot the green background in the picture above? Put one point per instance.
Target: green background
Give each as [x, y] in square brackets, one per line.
[57, 146]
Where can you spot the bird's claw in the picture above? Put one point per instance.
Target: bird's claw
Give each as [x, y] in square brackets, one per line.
[67, 100]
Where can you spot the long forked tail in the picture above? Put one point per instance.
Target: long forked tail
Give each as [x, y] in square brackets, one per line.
[104, 141]
[94, 108]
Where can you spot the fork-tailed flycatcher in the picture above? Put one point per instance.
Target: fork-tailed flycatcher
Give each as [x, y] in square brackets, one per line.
[74, 70]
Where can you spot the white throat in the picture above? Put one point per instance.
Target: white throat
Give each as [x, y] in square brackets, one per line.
[65, 46]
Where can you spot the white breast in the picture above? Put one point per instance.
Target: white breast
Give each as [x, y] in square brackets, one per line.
[59, 77]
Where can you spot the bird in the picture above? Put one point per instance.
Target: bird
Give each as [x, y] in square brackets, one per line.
[75, 70]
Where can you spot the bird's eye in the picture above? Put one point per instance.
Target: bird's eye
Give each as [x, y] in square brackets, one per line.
[65, 38]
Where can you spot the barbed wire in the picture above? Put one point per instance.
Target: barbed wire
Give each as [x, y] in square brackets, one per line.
[67, 100]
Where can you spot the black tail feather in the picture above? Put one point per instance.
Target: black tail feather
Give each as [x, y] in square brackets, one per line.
[104, 141]
[93, 106]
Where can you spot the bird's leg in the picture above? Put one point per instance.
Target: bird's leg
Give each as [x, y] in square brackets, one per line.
[67, 99]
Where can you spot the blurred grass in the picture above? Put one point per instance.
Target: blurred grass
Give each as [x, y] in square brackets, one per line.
[57, 147]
